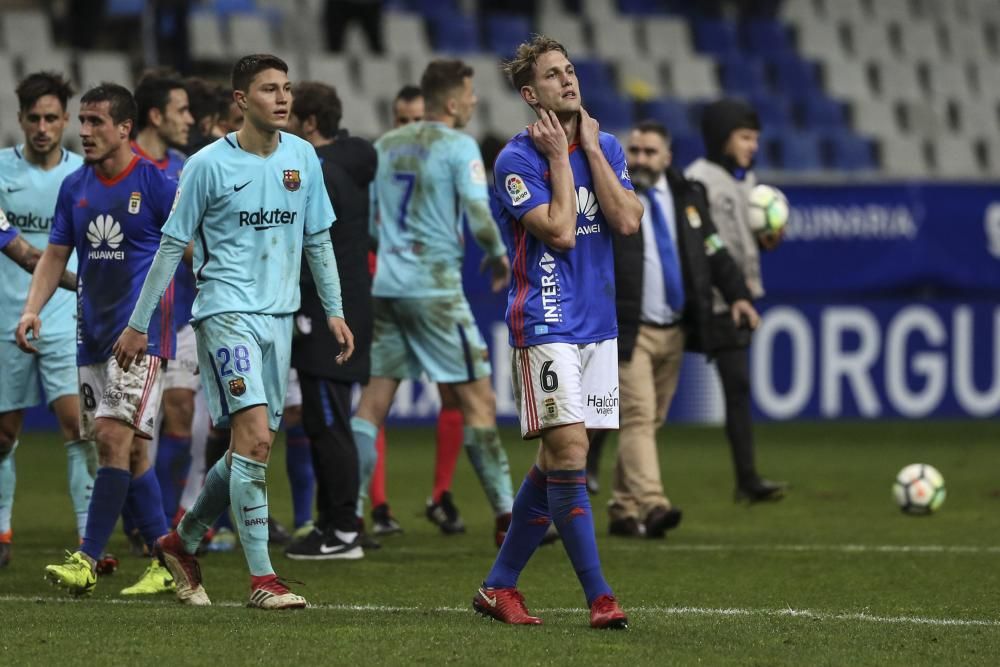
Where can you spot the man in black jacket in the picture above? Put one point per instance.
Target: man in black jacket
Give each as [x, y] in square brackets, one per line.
[348, 167]
[663, 280]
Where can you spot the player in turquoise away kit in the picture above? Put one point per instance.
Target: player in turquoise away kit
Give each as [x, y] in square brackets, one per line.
[30, 176]
[251, 201]
[428, 174]
[562, 188]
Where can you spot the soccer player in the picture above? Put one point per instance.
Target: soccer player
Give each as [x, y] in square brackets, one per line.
[249, 198]
[562, 188]
[25, 255]
[30, 175]
[428, 173]
[164, 124]
[110, 210]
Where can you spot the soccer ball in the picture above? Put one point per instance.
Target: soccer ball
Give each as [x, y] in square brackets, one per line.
[768, 209]
[919, 489]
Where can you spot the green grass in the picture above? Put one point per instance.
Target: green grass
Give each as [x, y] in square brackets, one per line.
[822, 578]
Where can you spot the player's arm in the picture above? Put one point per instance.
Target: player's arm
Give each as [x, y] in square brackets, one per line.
[27, 257]
[131, 344]
[46, 277]
[621, 208]
[553, 223]
[318, 249]
[474, 197]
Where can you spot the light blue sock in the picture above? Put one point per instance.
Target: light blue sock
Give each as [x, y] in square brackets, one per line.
[248, 496]
[81, 466]
[212, 502]
[8, 480]
[488, 458]
[365, 433]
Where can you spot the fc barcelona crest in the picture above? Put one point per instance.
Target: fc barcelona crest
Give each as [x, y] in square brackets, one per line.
[292, 180]
[237, 387]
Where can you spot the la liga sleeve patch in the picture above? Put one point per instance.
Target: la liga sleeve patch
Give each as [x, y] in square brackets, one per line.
[516, 189]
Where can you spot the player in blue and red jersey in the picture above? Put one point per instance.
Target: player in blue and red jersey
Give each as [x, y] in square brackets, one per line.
[110, 211]
[562, 188]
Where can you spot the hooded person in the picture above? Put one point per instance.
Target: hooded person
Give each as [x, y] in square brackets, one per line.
[731, 129]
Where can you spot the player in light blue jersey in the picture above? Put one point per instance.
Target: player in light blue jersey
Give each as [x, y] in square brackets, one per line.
[252, 201]
[110, 212]
[30, 176]
[428, 174]
[562, 188]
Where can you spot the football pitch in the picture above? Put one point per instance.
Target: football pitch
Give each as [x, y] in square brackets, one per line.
[832, 575]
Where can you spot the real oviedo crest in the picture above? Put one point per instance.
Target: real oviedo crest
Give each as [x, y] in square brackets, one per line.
[292, 180]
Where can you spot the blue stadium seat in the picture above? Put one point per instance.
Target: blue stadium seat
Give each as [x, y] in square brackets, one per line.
[642, 7]
[764, 37]
[613, 112]
[595, 78]
[233, 6]
[123, 8]
[790, 72]
[716, 36]
[773, 110]
[743, 77]
[820, 112]
[505, 31]
[434, 8]
[455, 33]
[849, 152]
[687, 148]
[798, 150]
[671, 112]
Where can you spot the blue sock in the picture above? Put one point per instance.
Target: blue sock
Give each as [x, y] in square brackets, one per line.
[211, 503]
[145, 504]
[8, 480]
[106, 503]
[529, 521]
[365, 433]
[248, 497]
[569, 504]
[173, 461]
[299, 466]
[489, 459]
[81, 462]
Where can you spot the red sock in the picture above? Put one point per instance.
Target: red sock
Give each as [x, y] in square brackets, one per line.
[449, 446]
[376, 490]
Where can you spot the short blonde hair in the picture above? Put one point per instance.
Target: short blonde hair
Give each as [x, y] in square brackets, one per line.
[519, 69]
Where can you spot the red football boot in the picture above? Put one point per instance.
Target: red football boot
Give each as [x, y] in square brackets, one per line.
[184, 567]
[505, 605]
[606, 614]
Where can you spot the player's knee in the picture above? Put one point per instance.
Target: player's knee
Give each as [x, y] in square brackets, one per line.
[178, 412]
[69, 425]
[113, 442]
[260, 449]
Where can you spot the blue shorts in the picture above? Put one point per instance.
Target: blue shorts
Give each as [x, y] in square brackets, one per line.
[436, 336]
[243, 359]
[54, 368]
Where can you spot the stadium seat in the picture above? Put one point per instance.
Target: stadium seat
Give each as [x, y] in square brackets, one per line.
[949, 79]
[820, 41]
[816, 111]
[842, 10]
[333, 70]
[667, 38]
[231, 6]
[207, 42]
[8, 74]
[789, 72]
[405, 34]
[381, 77]
[598, 10]
[671, 112]
[955, 157]
[897, 79]
[773, 110]
[767, 37]
[456, 33]
[488, 75]
[55, 60]
[595, 78]
[695, 78]
[990, 146]
[919, 40]
[717, 37]
[966, 42]
[613, 112]
[876, 117]
[250, 28]
[505, 31]
[903, 156]
[869, 40]
[977, 116]
[642, 7]
[27, 32]
[922, 118]
[97, 66]
[987, 77]
[123, 8]
[847, 79]
[887, 11]
[849, 152]
[743, 77]
[360, 116]
[508, 114]
[686, 149]
[798, 151]
[567, 30]
[616, 38]
[640, 78]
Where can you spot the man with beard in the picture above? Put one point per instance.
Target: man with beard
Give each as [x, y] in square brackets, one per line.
[663, 285]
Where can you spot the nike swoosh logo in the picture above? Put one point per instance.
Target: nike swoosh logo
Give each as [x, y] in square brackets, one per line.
[328, 550]
[237, 188]
[251, 509]
[490, 601]
[9, 189]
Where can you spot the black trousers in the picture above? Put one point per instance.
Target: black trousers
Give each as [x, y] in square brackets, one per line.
[734, 372]
[326, 418]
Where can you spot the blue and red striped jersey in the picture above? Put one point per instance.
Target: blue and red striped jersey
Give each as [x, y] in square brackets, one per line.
[556, 297]
[114, 225]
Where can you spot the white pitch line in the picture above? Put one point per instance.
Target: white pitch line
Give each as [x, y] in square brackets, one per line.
[829, 548]
[648, 611]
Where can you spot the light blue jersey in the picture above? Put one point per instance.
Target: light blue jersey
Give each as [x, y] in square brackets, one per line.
[28, 196]
[428, 176]
[246, 214]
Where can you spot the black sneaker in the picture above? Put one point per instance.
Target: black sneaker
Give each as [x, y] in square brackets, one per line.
[759, 491]
[317, 546]
[660, 520]
[276, 533]
[627, 527]
[445, 515]
[383, 522]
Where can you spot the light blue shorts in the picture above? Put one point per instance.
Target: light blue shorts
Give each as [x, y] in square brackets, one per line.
[436, 336]
[243, 360]
[53, 368]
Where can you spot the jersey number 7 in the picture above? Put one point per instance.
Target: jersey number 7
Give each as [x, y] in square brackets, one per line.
[408, 179]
